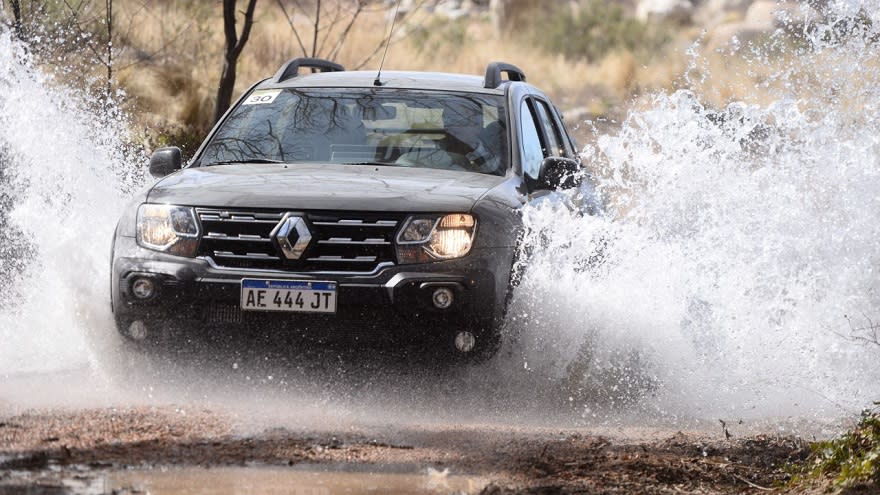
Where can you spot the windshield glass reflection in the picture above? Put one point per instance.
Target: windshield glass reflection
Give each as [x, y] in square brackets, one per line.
[386, 127]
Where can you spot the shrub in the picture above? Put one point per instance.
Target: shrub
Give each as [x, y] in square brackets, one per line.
[852, 459]
[596, 28]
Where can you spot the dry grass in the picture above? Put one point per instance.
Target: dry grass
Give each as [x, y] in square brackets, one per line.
[173, 53]
[171, 63]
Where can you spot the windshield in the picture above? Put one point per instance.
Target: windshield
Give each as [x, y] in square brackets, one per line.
[402, 128]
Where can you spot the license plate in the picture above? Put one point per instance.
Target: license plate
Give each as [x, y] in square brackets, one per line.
[296, 296]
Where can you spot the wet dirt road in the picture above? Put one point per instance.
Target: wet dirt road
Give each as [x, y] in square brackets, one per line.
[75, 451]
[260, 423]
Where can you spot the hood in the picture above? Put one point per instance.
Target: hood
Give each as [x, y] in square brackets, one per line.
[324, 187]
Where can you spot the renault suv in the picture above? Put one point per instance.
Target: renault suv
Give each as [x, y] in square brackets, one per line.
[327, 198]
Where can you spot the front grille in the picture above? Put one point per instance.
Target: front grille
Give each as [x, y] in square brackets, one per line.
[341, 241]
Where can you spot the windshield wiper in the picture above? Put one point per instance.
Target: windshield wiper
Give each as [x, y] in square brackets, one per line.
[367, 163]
[245, 162]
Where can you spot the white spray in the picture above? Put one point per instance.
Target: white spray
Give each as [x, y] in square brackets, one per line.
[66, 169]
[739, 244]
[740, 253]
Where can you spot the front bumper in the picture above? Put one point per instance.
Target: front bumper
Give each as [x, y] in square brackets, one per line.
[197, 291]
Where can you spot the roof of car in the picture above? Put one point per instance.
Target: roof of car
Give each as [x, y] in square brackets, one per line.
[390, 79]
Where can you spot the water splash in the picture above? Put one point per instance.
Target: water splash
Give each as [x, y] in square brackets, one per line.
[740, 250]
[738, 241]
[65, 168]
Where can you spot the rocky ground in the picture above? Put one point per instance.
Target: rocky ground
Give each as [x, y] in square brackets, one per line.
[41, 451]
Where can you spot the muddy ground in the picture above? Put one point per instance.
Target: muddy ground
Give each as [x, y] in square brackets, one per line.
[45, 448]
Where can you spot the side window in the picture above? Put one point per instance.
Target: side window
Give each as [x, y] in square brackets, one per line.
[532, 151]
[555, 146]
[567, 138]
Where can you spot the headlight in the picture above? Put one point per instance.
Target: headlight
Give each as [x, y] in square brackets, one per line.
[434, 237]
[167, 228]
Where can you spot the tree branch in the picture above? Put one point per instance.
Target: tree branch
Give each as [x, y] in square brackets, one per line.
[388, 38]
[246, 30]
[229, 26]
[74, 24]
[317, 27]
[328, 29]
[109, 22]
[342, 37]
[299, 40]
[16, 18]
[868, 334]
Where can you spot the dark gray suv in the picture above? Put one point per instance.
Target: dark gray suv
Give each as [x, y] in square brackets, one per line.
[326, 198]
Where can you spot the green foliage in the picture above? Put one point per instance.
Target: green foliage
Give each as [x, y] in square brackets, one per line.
[186, 137]
[851, 459]
[440, 35]
[597, 28]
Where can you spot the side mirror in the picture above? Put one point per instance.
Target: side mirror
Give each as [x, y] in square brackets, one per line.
[559, 173]
[165, 161]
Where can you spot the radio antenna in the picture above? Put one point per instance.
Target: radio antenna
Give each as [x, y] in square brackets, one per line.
[378, 81]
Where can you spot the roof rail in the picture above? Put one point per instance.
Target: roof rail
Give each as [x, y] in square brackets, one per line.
[291, 68]
[495, 70]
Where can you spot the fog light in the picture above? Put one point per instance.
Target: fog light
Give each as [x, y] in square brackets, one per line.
[143, 288]
[465, 341]
[443, 298]
[137, 330]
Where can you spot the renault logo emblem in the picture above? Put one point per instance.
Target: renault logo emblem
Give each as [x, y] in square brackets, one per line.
[292, 235]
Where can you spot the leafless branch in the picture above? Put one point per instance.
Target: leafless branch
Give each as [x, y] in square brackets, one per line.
[316, 28]
[338, 14]
[160, 50]
[388, 39]
[246, 29]
[757, 487]
[292, 27]
[342, 37]
[235, 43]
[108, 5]
[867, 333]
[74, 23]
[16, 18]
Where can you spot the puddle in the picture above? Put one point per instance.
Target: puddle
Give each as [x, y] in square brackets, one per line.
[298, 480]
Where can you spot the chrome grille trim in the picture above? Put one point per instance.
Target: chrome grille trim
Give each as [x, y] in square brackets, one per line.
[349, 242]
[240, 238]
[246, 218]
[246, 256]
[355, 223]
[340, 259]
[269, 272]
